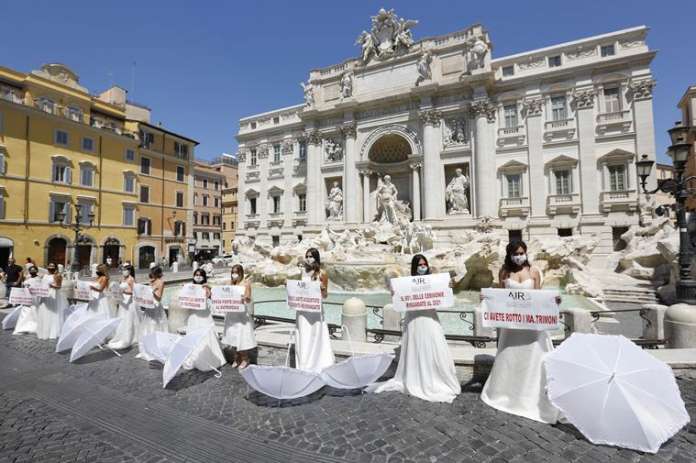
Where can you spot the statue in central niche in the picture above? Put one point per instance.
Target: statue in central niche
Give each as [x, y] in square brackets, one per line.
[389, 208]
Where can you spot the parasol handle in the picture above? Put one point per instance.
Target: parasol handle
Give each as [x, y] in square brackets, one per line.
[291, 340]
[112, 350]
[350, 339]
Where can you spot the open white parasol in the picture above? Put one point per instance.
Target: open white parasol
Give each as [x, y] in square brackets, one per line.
[93, 333]
[70, 330]
[10, 320]
[614, 392]
[281, 382]
[157, 345]
[357, 371]
[183, 351]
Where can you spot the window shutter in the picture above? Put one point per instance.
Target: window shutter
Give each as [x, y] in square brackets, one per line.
[68, 175]
[2, 208]
[2, 164]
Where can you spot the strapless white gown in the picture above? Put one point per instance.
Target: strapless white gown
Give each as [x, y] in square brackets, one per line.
[127, 332]
[239, 329]
[50, 313]
[517, 383]
[313, 351]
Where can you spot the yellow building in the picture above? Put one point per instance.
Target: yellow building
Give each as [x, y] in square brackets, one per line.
[165, 185]
[63, 150]
[227, 165]
[207, 216]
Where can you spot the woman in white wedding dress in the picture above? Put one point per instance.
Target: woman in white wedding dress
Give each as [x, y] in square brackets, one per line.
[155, 319]
[28, 315]
[209, 353]
[426, 369]
[51, 311]
[239, 326]
[313, 350]
[99, 303]
[517, 382]
[127, 331]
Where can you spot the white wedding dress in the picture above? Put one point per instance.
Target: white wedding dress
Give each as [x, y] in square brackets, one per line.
[313, 350]
[28, 316]
[51, 312]
[127, 331]
[517, 383]
[239, 329]
[426, 369]
[99, 303]
[208, 354]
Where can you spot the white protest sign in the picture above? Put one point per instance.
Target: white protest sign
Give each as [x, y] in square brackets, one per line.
[82, 290]
[422, 292]
[142, 296]
[227, 299]
[115, 292]
[38, 287]
[192, 297]
[304, 295]
[20, 296]
[522, 309]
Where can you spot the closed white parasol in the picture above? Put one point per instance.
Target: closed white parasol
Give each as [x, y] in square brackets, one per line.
[10, 320]
[93, 333]
[191, 350]
[614, 392]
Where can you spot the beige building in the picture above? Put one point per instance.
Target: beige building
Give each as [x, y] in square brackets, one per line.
[207, 210]
[687, 105]
[227, 164]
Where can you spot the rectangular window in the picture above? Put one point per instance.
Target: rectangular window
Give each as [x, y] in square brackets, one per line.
[217, 202]
[252, 156]
[276, 120]
[514, 184]
[607, 50]
[148, 139]
[195, 218]
[303, 202]
[61, 173]
[554, 61]
[205, 236]
[276, 241]
[180, 173]
[130, 155]
[217, 220]
[276, 204]
[303, 150]
[144, 226]
[180, 150]
[85, 210]
[205, 183]
[563, 182]
[565, 232]
[205, 200]
[61, 137]
[144, 194]
[252, 206]
[253, 125]
[558, 108]
[86, 175]
[145, 165]
[276, 153]
[58, 208]
[129, 183]
[179, 228]
[216, 185]
[128, 215]
[224, 225]
[612, 100]
[617, 178]
[87, 144]
[205, 219]
[508, 71]
[179, 199]
[510, 112]
[216, 236]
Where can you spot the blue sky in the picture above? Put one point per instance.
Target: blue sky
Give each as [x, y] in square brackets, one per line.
[202, 65]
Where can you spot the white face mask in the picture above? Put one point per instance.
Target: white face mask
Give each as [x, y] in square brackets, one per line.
[125, 273]
[198, 279]
[422, 270]
[235, 276]
[519, 259]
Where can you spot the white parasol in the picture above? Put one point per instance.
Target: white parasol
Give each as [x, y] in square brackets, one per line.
[183, 350]
[614, 392]
[93, 333]
[357, 372]
[157, 345]
[70, 330]
[10, 320]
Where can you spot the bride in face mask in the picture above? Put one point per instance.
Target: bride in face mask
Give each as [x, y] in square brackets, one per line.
[239, 326]
[520, 351]
[426, 369]
[127, 331]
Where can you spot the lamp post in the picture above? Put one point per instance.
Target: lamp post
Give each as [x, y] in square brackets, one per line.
[680, 319]
[77, 227]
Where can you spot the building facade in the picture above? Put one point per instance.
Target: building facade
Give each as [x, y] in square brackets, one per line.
[207, 215]
[440, 133]
[228, 166]
[687, 106]
[64, 151]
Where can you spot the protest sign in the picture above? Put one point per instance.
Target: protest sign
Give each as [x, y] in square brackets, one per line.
[38, 287]
[115, 292]
[227, 299]
[522, 309]
[82, 290]
[304, 295]
[20, 296]
[192, 297]
[422, 292]
[142, 296]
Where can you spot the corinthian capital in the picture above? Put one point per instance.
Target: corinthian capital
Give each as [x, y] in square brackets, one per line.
[349, 129]
[483, 107]
[642, 89]
[313, 137]
[431, 116]
[584, 99]
[532, 107]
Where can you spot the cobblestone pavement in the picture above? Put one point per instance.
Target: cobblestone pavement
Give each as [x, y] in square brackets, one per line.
[105, 408]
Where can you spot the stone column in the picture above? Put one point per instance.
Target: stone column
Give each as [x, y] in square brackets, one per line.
[315, 200]
[367, 210]
[590, 180]
[415, 190]
[641, 93]
[483, 111]
[350, 175]
[433, 175]
[531, 109]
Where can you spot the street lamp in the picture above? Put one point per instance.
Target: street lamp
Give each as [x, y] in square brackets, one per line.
[77, 227]
[680, 319]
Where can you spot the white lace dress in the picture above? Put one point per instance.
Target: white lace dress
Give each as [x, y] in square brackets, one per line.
[127, 332]
[426, 369]
[51, 312]
[239, 328]
[517, 383]
[313, 350]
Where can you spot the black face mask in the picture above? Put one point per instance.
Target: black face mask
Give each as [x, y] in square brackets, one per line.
[100, 274]
[33, 274]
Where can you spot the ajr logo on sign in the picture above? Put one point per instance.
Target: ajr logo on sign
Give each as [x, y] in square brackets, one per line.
[419, 280]
[517, 295]
[302, 284]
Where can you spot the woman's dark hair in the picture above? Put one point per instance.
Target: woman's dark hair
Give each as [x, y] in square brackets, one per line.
[156, 272]
[33, 269]
[201, 272]
[239, 270]
[414, 264]
[130, 269]
[314, 252]
[512, 246]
